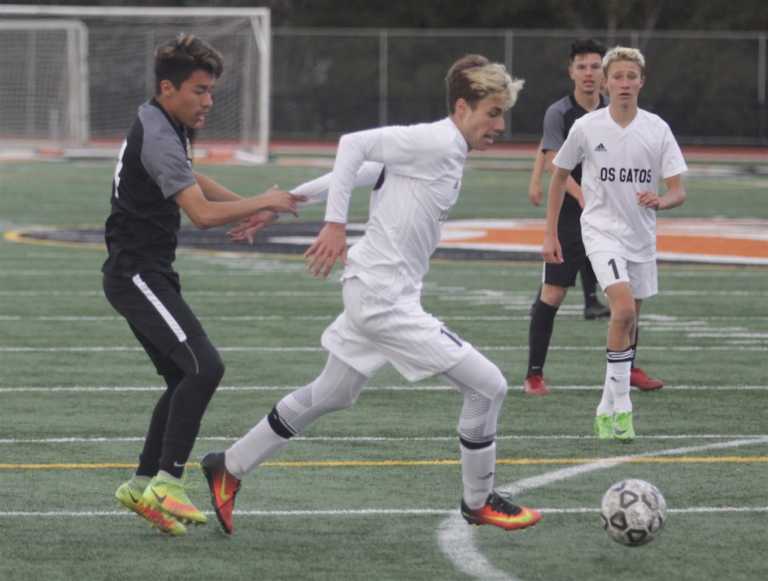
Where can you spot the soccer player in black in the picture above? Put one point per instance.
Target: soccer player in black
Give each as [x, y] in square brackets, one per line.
[585, 69]
[153, 180]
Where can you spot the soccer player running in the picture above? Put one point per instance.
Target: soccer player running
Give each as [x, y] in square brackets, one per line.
[383, 320]
[152, 181]
[625, 152]
[585, 70]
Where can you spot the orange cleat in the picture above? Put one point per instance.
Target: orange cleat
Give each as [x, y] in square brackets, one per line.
[499, 512]
[642, 381]
[535, 385]
[223, 487]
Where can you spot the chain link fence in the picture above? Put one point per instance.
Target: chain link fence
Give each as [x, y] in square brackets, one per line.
[709, 86]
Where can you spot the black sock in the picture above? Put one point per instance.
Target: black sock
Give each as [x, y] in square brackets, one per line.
[539, 334]
[588, 283]
[634, 345]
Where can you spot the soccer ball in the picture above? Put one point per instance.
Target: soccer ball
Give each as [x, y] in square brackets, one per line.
[633, 512]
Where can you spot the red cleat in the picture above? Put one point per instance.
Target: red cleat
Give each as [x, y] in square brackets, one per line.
[499, 512]
[535, 385]
[223, 487]
[640, 379]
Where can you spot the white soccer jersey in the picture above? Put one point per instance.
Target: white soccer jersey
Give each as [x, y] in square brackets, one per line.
[617, 163]
[423, 167]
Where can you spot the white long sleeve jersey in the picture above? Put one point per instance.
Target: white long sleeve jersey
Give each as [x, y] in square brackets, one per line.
[617, 163]
[423, 167]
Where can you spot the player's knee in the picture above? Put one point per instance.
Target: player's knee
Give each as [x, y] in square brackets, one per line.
[199, 358]
[623, 316]
[493, 384]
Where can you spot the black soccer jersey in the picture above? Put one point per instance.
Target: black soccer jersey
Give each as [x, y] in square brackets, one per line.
[153, 166]
[558, 120]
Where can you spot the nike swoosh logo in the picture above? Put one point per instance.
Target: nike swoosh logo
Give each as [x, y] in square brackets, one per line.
[160, 499]
[177, 465]
[620, 432]
[487, 476]
[225, 496]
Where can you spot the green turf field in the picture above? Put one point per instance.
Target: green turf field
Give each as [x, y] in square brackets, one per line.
[371, 493]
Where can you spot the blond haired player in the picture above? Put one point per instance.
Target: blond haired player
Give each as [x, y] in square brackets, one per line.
[383, 320]
[625, 152]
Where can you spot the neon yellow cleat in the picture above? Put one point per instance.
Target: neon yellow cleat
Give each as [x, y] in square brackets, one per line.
[169, 496]
[623, 428]
[129, 493]
[604, 426]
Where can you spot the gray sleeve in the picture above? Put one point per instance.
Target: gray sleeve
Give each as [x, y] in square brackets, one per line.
[554, 125]
[163, 155]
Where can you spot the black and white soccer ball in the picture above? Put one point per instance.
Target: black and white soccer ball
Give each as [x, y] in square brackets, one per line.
[633, 512]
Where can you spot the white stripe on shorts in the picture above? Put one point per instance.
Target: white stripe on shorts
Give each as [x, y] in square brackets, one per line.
[160, 308]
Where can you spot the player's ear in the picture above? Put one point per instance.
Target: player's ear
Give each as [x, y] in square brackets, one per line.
[166, 87]
[461, 106]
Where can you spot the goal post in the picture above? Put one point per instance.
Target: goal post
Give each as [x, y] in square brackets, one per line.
[117, 71]
[44, 81]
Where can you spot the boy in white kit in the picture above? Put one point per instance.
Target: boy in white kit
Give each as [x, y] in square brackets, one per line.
[419, 178]
[625, 152]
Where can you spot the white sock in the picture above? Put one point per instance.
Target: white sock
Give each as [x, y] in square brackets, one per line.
[478, 468]
[617, 379]
[606, 401]
[252, 449]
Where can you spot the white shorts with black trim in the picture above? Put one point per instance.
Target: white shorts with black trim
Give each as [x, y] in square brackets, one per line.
[373, 331]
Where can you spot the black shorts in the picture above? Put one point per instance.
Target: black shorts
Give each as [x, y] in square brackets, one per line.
[152, 304]
[574, 258]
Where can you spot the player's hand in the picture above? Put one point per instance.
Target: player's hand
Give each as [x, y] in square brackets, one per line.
[552, 251]
[534, 193]
[649, 200]
[246, 229]
[330, 245]
[280, 201]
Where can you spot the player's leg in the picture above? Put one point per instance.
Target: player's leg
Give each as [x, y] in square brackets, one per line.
[615, 403]
[557, 278]
[337, 387]
[484, 388]
[153, 305]
[593, 308]
[129, 493]
[638, 378]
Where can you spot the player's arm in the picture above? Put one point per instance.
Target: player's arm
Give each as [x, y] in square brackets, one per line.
[672, 198]
[315, 191]
[205, 213]
[551, 250]
[331, 243]
[534, 185]
[213, 190]
[571, 187]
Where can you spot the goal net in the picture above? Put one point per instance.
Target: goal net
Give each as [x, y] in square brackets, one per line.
[75, 76]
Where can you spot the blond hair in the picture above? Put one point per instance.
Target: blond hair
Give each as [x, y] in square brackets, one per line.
[624, 53]
[473, 77]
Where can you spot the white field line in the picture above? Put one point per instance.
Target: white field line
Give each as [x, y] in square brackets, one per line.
[367, 512]
[287, 388]
[372, 439]
[254, 269]
[656, 323]
[457, 541]
[467, 295]
[264, 349]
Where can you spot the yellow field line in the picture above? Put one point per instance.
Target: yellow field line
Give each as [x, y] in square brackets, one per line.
[413, 463]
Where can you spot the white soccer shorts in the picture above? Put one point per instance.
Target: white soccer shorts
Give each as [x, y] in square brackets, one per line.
[611, 268]
[373, 331]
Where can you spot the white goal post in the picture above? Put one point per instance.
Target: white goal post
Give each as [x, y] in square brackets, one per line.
[44, 81]
[114, 73]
